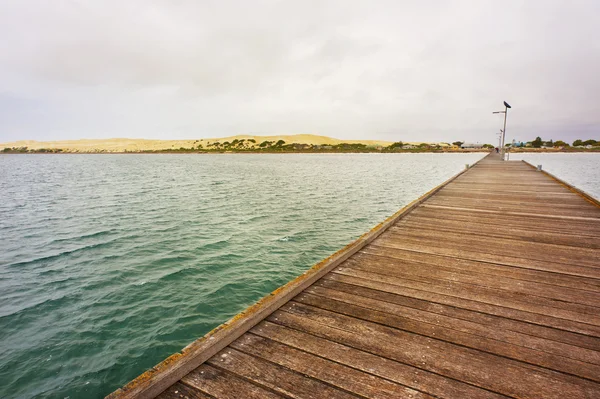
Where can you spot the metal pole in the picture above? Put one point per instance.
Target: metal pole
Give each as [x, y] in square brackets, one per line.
[503, 133]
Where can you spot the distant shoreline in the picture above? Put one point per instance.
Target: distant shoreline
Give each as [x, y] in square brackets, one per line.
[398, 151]
[282, 144]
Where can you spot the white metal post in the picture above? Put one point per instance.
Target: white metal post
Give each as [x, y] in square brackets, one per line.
[503, 133]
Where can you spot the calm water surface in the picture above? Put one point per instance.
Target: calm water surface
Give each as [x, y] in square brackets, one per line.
[110, 263]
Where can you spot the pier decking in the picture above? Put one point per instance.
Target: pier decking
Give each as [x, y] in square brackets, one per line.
[487, 287]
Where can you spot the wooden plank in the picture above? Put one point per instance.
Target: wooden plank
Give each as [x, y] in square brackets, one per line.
[517, 260]
[512, 213]
[491, 231]
[474, 316]
[519, 208]
[182, 391]
[528, 303]
[555, 253]
[531, 199]
[524, 184]
[274, 377]
[376, 262]
[584, 284]
[552, 355]
[423, 293]
[338, 375]
[558, 195]
[495, 373]
[391, 370]
[519, 202]
[474, 191]
[223, 385]
[577, 227]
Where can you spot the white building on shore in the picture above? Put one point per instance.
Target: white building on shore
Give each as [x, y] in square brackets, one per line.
[471, 145]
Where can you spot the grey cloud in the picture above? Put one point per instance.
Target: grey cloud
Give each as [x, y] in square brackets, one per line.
[391, 70]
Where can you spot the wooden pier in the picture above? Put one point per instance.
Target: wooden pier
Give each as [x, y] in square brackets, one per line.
[486, 287]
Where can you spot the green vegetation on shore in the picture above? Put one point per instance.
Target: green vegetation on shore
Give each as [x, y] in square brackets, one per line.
[539, 143]
[250, 146]
[280, 146]
[25, 150]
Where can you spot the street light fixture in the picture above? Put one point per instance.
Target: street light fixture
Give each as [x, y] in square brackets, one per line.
[505, 112]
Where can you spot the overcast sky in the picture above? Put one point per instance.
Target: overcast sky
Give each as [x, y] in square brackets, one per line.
[389, 70]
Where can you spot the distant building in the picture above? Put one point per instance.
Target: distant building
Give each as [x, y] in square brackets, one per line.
[471, 145]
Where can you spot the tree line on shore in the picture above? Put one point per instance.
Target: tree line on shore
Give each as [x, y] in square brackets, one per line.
[539, 143]
[251, 145]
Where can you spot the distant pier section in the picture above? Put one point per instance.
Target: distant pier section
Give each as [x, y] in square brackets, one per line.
[488, 286]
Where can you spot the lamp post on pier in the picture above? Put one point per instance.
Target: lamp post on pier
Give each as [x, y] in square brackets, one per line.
[499, 139]
[505, 112]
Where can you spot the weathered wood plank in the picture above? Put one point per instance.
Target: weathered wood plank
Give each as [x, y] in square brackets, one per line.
[223, 385]
[182, 391]
[495, 373]
[550, 206]
[318, 368]
[528, 303]
[467, 266]
[401, 373]
[396, 312]
[465, 252]
[484, 319]
[580, 362]
[500, 246]
[274, 377]
[555, 197]
[501, 231]
[423, 272]
[504, 212]
[531, 223]
[423, 293]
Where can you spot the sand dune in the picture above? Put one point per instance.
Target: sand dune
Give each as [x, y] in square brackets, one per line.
[121, 144]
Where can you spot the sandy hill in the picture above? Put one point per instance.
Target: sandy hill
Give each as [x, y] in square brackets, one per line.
[120, 145]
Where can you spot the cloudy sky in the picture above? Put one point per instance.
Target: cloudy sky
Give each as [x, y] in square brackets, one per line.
[390, 70]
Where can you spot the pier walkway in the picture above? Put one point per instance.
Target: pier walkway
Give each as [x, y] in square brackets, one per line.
[486, 287]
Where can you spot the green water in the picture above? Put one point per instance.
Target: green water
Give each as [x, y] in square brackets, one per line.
[110, 263]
